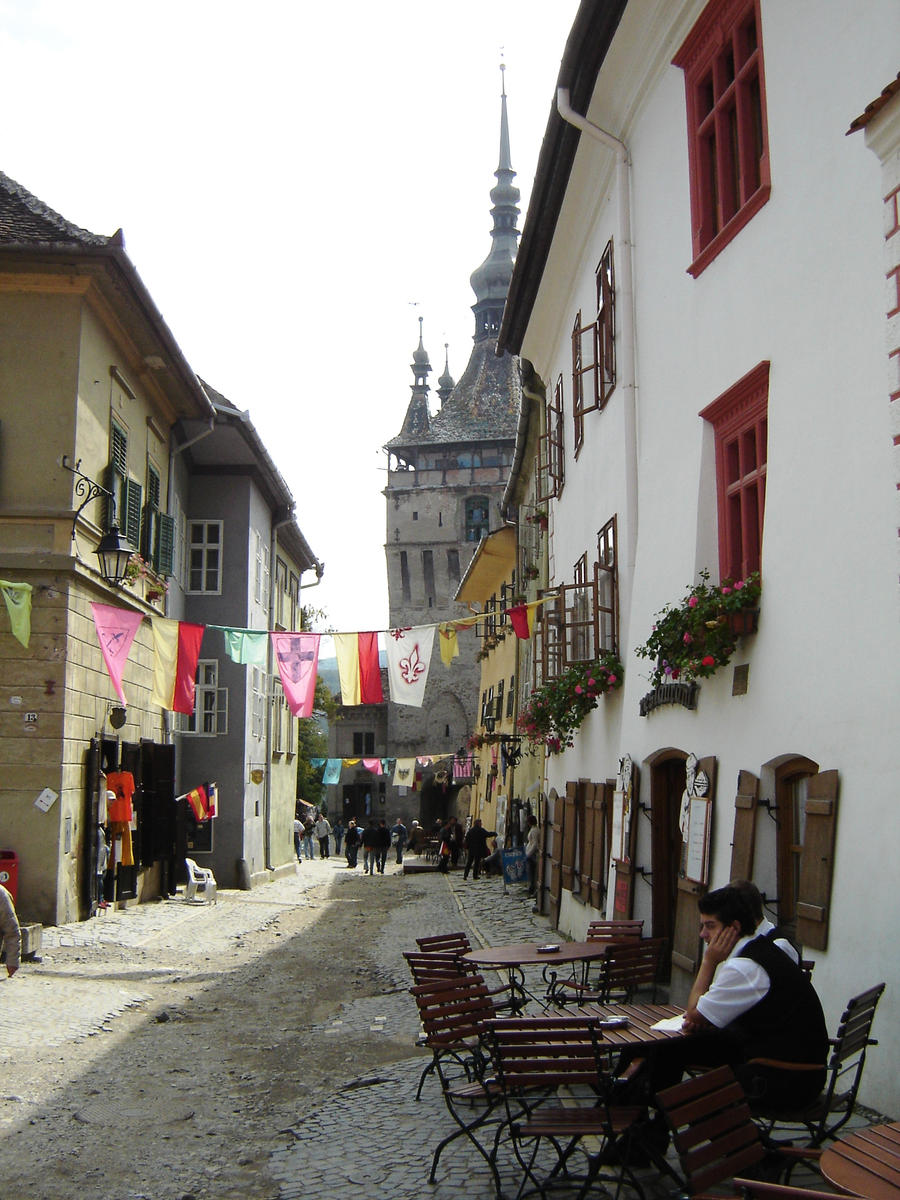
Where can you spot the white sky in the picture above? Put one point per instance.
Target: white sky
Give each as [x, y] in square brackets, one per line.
[297, 183]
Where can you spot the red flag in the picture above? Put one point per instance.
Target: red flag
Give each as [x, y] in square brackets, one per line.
[521, 617]
[197, 800]
[176, 649]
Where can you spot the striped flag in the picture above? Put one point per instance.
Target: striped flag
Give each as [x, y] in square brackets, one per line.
[360, 676]
[196, 798]
[176, 649]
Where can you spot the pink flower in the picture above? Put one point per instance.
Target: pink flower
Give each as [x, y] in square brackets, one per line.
[611, 678]
[738, 585]
[708, 660]
[726, 591]
[675, 672]
[578, 689]
[693, 602]
[687, 639]
[590, 683]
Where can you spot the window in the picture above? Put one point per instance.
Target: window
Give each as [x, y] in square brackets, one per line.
[511, 697]
[428, 575]
[124, 509]
[210, 715]
[594, 350]
[739, 418]
[404, 575]
[477, 514]
[453, 567]
[261, 573]
[281, 592]
[806, 801]
[205, 557]
[606, 570]
[294, 595]
[257, 703]
[364, 743]
[551, 460]
[158, 529]
[726, 113]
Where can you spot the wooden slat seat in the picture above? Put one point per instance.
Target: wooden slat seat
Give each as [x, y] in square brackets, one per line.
[445, 943]
[615, 930]
[627, 968]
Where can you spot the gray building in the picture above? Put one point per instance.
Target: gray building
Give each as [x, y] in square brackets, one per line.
[446, 475]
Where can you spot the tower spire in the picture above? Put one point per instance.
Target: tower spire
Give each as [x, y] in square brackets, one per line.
[490, 281]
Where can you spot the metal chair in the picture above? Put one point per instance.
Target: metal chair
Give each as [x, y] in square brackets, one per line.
[845, 1068]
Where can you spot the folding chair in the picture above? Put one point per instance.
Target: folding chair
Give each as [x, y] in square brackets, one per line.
[445, 943]
[845, 1068]
[533, 1058]
[714, 1133]
[200, 879]
[454, 1014]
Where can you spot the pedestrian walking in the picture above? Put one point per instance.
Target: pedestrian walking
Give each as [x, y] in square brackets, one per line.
[352, 841]
[337, 832]
[382, 844]
[447, 835]
[308, 834]
[298, 836]
[476, 841]
[398, 838]
[10, 931]
[323, 833]
[370, 847]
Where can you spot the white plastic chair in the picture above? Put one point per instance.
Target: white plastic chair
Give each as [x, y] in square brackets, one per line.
[200, 879]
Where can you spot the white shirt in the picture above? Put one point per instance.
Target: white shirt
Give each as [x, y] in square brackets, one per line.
[737, 985]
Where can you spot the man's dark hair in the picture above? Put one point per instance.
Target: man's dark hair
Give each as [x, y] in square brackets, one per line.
[751, 894]
[727, 904]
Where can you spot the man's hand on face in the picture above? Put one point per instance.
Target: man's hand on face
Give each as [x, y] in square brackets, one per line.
[721, 944]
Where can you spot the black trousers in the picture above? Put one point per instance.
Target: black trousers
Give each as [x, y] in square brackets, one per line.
[474, 862]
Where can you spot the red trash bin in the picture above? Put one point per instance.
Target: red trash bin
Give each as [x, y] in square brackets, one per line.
[9, 872]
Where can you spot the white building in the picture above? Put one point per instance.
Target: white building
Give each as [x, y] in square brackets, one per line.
[700, 291]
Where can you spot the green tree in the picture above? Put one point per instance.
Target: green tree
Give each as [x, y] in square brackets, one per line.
[312, 737]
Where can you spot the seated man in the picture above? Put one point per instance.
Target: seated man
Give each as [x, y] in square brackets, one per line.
[752, 1007]
[764, 927]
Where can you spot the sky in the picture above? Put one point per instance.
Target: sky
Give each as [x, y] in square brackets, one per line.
[297, 184]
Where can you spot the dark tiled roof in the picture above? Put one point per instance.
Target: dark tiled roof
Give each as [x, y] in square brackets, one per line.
[483, 406]
[873, 109]
[25, 220]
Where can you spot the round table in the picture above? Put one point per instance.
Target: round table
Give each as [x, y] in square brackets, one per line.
[514, 957]
[865, 1163]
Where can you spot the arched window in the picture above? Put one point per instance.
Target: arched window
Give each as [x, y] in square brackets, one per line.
[477, 508]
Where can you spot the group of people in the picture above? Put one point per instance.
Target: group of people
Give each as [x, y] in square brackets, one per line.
[376, 839]
[309, 830]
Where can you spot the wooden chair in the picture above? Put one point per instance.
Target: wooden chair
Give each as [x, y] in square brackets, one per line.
[426, 968]
[714, 1133]
[615, 930]
[845, 1068]
[533, 1058]
[454, 1015]
[445, 943]
[627, 968]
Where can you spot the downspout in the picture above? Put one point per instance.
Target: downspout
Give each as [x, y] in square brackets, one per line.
[270, 675]
[628, 355]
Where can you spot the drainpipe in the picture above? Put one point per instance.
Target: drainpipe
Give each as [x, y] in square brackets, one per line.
[628, 355]
[270, 676]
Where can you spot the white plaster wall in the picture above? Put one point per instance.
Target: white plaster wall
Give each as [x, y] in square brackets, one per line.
[802, 286]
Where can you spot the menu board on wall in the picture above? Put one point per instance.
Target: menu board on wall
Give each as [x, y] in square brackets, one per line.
[697, 840]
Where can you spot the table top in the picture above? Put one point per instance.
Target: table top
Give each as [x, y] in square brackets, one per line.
[641, 1019]
[865, 1163]
[526, 954]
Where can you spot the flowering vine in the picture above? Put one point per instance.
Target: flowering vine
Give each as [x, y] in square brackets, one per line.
[556, 709]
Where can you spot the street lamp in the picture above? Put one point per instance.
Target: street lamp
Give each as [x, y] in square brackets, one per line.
[112, 553]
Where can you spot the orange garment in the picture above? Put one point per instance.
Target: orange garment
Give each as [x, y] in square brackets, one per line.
[122, 783]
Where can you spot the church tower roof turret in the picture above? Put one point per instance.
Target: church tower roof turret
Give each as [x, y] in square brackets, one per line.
[446, 382]
[417, 420]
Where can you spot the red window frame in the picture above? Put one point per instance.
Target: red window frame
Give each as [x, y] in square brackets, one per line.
[728, 142]
[740, 420]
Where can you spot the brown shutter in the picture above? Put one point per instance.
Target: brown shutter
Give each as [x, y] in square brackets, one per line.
[570, 828]
[817, 860]
[744, 840]
[585, 837]
[599, 854]
[686, 937]
[554, 886]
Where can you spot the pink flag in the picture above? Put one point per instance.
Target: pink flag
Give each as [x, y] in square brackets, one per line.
[373, 765]
[297, 655]
[116, 628]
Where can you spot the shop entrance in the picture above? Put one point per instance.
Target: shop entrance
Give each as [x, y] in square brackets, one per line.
[667, 781]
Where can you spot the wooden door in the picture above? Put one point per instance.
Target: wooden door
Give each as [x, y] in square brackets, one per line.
[556, 820]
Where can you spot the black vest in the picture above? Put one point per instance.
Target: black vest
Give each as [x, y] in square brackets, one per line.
[788, 1023]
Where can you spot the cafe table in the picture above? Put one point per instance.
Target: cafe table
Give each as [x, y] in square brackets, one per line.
[865, 1163]
[574, 957]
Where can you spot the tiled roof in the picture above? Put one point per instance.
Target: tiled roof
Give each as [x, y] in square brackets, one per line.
[483, 406]
[25, 220]
[873, 109]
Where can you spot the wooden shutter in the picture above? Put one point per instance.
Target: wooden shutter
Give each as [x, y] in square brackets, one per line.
[557, 828]
[150, 533]
[165, 555]
[130, 518]
[817, 860]
[593, 884]
[686, 935]
[744, 840]
[570, 830]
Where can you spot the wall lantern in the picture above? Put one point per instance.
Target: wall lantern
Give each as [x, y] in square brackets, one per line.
[112, 553]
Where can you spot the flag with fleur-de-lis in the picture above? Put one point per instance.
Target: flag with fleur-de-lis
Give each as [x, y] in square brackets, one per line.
[408, 653]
